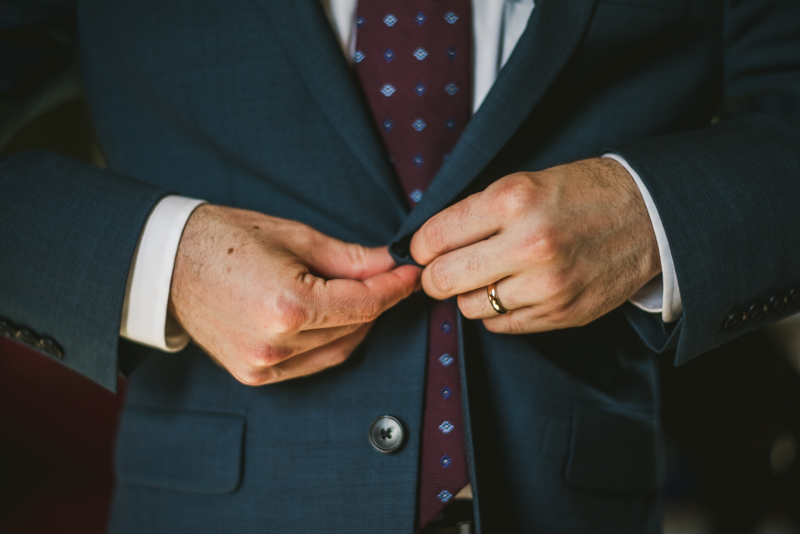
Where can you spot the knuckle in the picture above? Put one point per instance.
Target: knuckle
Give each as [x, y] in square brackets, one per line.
[270, 355]
[490, 326]
[515, 326]
[506, 325]
[545, 244]
[250, 377]
[442, 278]
[359, 258]
[495, 326]
[469, 306]
[516, 195]
[435, 237]
[269, 375]
[289, 318]
[371, 308]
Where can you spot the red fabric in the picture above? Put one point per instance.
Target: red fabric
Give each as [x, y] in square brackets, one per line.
[57, 432]
[414, 61]
[443, 460]
[448, 61]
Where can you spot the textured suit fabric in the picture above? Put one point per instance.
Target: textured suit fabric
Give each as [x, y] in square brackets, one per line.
[252, 104]
[95, 264]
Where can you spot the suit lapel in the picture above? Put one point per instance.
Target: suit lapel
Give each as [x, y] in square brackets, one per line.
[555, 29]
[553, 32]
[306, 34]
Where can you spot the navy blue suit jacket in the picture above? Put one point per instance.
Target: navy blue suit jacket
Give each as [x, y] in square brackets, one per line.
[250, 103]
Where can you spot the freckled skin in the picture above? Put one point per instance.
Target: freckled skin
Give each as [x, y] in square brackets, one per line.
[261, 313]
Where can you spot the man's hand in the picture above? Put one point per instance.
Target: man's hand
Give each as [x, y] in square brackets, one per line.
[272, 299]
[564, 245]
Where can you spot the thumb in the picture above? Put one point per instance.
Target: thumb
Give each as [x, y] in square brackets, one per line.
[343, 301]
[332, 258]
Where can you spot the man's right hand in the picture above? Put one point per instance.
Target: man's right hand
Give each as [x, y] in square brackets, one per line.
[271, 299]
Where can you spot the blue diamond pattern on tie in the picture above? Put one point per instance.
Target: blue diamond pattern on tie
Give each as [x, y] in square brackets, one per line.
[359, 21]
[389, 54]
[431, 44]
[358, 56]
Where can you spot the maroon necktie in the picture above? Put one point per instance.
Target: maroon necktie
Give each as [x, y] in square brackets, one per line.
[414, 60]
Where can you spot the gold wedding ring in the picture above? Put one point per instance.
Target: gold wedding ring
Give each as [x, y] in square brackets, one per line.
[494, 300]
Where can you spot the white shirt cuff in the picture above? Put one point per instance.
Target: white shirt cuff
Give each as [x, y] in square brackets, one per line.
[661, 294]
[144, 312]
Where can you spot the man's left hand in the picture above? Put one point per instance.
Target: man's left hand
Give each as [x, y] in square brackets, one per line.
[564, 246]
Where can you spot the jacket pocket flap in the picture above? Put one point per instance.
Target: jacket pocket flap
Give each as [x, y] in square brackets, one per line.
[181, 450]
[613, 452]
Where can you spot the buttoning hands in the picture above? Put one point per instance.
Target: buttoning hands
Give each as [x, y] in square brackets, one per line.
[564, 246]
[271, 299]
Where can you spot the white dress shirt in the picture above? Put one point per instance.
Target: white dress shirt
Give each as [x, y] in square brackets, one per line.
[498, 25]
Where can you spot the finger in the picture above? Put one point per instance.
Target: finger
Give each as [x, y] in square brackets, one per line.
[331, 258]
[343, 302]
[298, 343]
[542, 317]
[473, 267]
[512, 293]
[315, 360]
[462, 224]
[521, 321]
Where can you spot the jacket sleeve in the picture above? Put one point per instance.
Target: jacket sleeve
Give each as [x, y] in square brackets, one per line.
[68, 230]
[729, 194]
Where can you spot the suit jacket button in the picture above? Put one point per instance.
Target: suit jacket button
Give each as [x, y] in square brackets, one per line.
[386, 434]
[734, 320]
[49, 346]
[7, 328]
[756, 312]
[28, 337]
[777, 303]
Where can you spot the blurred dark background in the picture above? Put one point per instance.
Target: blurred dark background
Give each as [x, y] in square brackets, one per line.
[731, 419]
